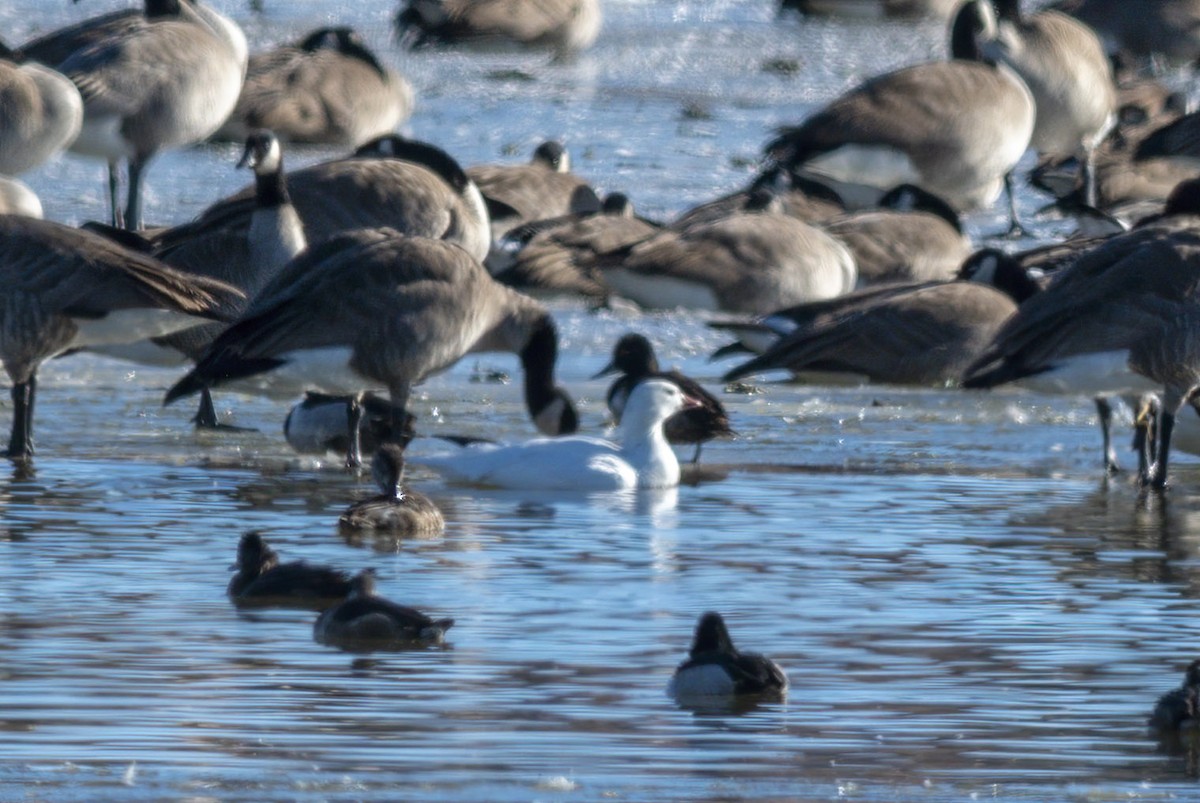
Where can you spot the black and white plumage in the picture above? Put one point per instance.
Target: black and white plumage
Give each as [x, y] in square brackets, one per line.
[320, 423]
[716, 668]
[396, 509]
[1179, 707]
[262, 581]
[634, 357]
[367, 621]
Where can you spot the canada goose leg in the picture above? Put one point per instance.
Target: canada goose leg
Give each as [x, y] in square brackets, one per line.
[1170, 404]
[1144, 440]
[1104, 411]
[20, 444]
[133, 212]
[354, 417]
[114, 196]
[696, 454]
[206, 415]
[401, 430]
[1089, 177]
[1015, 229]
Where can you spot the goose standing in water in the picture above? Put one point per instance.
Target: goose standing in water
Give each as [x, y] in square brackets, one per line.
[543, 188]
[373, 308]
[62, 289]
[43, 113]
[365, 620]
[396, 509]
[642, 458]
[1064, 65]
[634, 357]
[956, 128]
[1122, 319]
[716, 668]
[262, 581]
[328, 88]
[169, 80]
[565, 26]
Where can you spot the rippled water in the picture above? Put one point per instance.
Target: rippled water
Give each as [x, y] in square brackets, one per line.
[965, 607]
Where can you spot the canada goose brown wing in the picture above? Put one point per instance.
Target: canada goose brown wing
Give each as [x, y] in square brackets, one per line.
[522, 20]
[54, 48]
[535, 191]
[893, 246]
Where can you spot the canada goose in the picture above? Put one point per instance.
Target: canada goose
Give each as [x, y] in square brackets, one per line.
[373, 308]
[543, 188]
[642, 458]
[802, 198]
[559, 256]
[327, 88]
[749, 262]
[1179, 708]
[1064, 65]
[396, 509]
[62, 288]
[564, 26]
[42, 115]
[955, 128]
[873, 9]
[1107, 313]
[633, 356]
[365, 620]
[411, 186]
[716, 668]
[319, 423]
[1168, 29]
[17, 199]
[262, 581]
[170, 80]
[914, 236]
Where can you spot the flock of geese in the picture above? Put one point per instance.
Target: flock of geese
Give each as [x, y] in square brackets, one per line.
[845, 255]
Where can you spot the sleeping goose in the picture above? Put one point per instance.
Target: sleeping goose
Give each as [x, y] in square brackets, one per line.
[63, 289]
[376, 309]
[716, 668]
[955, 128]
[43, 113]
[328, 88]
[634, 357]
[642, 458]
[168, 81]
[565, 26]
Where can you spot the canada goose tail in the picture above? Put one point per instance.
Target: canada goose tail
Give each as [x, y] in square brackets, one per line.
[763, 362]
[206, 375]
[133, 240]
[729, 350]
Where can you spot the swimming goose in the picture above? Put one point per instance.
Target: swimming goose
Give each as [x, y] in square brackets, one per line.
[1064, 65]
[716, 668]
[328, 88]
[373, 308]
[62, 289]
[559, 256]
[913, 236]
[1118, 320]
[543, 188]
[365, 620]
[749, 262]
[634, 357]
[1167, 29]
[169, 81]
[263, 581]
[43, 113]
[396, 509]
[1179, 708]
[955, 128]
[565, 26]
[642, 459]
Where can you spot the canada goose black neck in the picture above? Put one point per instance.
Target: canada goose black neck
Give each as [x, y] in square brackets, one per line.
[424, 154]
[345, 41]
[158, 9]
[974, 20]
[553, 156]
[711, 636]
[911, 198]
[1184, 199]
[538, 359]
[1002, 271]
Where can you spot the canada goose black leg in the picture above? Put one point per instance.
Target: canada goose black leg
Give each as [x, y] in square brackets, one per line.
[1156, 473]
[1089, 177]
[1104, 411]
[206, 416]
[1015, 229]
[133, 212]
[354, 417]
[696, 454]
[20, 444]
[114, 196]
[1144, 440]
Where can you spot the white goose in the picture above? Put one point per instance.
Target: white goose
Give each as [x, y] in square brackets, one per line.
[642, 459]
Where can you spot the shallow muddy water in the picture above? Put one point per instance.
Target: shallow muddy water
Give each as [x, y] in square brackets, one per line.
[965, 607]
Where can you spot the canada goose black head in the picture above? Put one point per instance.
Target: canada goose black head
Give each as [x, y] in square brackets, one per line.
[554, 156]
[617, 204]
[552, 410]
[264, 156]
[911, 198]
[1000, 270]
[422, 153]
